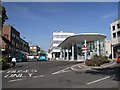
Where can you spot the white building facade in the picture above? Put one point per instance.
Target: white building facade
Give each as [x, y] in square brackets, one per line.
[108, 48]
[57, 38]
[115, 37]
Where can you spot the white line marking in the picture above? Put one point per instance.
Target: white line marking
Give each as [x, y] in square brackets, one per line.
[65, 71]
[15, 80]
[38, 76]
[79, 66]
[98, 80]
[75, 66]
[62, 71]
[56, 72]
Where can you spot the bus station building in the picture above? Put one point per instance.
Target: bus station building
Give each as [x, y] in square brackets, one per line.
[82, 46]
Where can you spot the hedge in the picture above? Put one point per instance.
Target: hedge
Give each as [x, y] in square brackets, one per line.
[97, 61]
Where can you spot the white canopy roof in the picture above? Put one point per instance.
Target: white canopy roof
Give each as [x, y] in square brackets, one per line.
[78, 38]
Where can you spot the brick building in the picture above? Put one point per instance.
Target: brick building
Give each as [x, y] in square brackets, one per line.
[12, 42]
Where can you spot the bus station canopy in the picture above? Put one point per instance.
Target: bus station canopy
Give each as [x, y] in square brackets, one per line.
[79, 38]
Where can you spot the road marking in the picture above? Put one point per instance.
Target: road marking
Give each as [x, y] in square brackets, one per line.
[62, 71]
[73, 68]
[15, 80]
[79, 66]
[57, 72]
[38, 76]
[14, 75]
[22, 71]
[6, 76]
[98, 80]
[65, 69]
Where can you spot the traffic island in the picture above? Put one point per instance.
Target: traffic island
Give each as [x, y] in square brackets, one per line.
[94, 63]
[97, 61]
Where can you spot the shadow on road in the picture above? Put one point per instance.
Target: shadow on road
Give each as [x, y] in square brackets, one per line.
[113, 71]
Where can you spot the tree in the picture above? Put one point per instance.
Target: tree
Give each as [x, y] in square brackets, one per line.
[3, 14]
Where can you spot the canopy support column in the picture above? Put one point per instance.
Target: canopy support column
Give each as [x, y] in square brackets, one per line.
[64, 54]
[67, 53]
[98, 48]
[72, 51]
[85, 51]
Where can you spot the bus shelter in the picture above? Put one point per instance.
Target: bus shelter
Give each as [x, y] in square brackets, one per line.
[71, 47]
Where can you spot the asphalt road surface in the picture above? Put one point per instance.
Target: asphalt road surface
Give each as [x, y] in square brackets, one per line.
[58, 74]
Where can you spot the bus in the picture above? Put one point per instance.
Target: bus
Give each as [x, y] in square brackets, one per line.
[42, 56]
[20, 57]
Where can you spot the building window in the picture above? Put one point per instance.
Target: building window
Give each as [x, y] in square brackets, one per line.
[56, 48]
[17, 37]
[114, 35]
[55, 36]
[12, 34]
[34, 48]
[12, 42]
[118, 33]
[56, 42]
[113, 27]
[30, 47]
[118, 25]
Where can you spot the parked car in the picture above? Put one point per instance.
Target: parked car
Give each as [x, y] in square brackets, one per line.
[118, 59]
[30, 57]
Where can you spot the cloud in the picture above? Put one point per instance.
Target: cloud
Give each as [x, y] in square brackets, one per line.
[109, 15]
[21, 11]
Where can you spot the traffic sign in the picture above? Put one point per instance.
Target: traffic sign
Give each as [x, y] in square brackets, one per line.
[84, 48]
[84, 51]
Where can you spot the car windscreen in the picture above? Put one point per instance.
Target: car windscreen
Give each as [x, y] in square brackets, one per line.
[42, 54]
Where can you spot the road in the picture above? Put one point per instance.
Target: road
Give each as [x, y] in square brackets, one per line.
[57, 74]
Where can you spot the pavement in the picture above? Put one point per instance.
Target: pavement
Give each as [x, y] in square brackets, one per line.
[82, 66]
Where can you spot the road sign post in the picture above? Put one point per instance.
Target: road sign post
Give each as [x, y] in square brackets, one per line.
[84, 48]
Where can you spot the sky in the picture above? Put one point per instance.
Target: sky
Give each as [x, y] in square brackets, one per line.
[36, 21]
